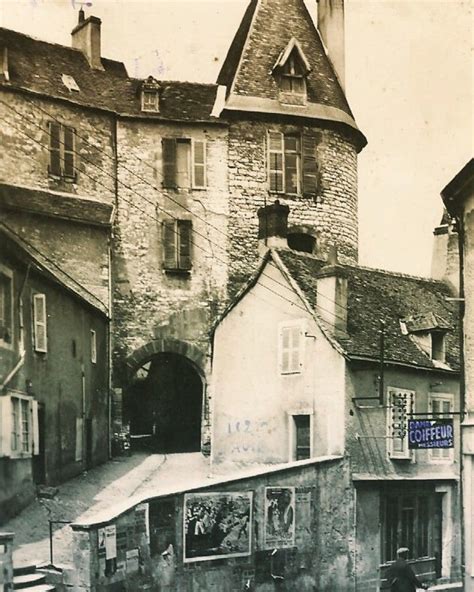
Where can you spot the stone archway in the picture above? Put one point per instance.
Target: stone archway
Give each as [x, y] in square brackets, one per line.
[164, 397]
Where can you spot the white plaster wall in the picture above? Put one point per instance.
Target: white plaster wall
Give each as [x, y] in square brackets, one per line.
[252, 400]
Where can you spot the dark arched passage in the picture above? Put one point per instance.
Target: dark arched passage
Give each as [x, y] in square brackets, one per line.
[163, 404]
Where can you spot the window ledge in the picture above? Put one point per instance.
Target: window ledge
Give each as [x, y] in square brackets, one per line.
[180, 272]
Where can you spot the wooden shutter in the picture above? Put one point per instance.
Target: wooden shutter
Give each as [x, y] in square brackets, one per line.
[169, 238]
[169, 162]
[54, 148]
[39, 323]
[400, 406]
[35, 426]
[5, 425]
[199, 163]
[310, 167]
[185, 237]
[79, 439]
[69, 151]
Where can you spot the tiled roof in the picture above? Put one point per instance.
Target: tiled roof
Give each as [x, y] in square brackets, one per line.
[39, 67]
[375, 295]
[58, 205]
[49, 269]
[265, 30]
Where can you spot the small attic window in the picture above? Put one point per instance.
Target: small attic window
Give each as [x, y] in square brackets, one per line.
[150, 95]
[438, 346]
[291, 70]
[70, 83]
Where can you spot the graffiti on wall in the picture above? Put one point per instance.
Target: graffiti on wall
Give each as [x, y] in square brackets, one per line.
[279, 516]
[217, 525]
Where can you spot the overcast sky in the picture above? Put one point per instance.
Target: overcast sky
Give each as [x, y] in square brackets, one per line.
[408, 79]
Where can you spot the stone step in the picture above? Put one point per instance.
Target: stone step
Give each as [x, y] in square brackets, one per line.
[28, 580]
[26, 567]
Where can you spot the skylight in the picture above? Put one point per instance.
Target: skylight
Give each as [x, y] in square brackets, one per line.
[70, 83]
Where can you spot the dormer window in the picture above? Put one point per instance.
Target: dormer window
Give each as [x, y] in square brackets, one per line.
[150, 95]
[438, 351]
[290, 71]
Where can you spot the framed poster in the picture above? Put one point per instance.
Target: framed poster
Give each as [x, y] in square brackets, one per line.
[279, 526]
[217, 525]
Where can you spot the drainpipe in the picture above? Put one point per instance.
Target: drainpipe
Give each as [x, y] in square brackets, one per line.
[21, 340]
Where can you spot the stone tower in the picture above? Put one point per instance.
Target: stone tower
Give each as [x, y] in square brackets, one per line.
[292, 135]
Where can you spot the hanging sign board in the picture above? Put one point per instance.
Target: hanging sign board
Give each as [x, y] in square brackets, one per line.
[430, 433]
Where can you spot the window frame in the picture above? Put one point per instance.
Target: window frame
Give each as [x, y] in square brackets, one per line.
[291, 369]
[61, 152]
[442, 337]
[293, 434]
[148, 106]
[7, 320]
[13, 442]
[288, 73]
[177, 227]
[406, 453]
[284, 153]
[38, 296]
[192, 165]
[449, 452]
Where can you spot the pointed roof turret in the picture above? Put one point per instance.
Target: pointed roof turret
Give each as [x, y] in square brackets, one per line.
[260, 74]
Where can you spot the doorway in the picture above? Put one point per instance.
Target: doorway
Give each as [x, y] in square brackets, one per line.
[163, 404]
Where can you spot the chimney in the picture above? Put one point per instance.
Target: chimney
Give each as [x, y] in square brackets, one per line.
[331, 29]
[86, 37]
[445, 257]
[272, 227]
[331, 301]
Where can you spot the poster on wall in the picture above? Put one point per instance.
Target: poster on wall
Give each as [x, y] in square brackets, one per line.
[279, 517]
[217, 525]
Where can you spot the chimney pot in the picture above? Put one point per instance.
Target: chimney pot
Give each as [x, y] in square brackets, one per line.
[82, 16]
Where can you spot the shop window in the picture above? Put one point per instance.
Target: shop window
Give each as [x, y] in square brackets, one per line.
[177, 241]
[184, 163]
[400, 406]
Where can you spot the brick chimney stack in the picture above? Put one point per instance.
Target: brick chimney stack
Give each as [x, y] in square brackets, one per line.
[273, 226]
[86, 37]
[332, 30]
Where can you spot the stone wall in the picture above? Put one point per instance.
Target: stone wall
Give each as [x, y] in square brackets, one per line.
[332, 214]
[146, 297]
[150, 545]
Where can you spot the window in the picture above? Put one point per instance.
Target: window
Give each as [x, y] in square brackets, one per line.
[285, 162]
[302, 437]
[177, 238]
[93, 347]
[441, 406]
[293, 76]
[400, 405]
[291, 347]
[62, 151]
[6, 304]
[79, 439]
[184, 163]
[21, 424]
[411, 518]
[437, 346]
[300, 241]
[150, 95]
[40, 340]
[150, 100]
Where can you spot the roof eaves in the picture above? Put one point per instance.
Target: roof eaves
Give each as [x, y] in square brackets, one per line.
[358, 358]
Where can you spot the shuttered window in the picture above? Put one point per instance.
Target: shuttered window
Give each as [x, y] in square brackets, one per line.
[40, 323]
[62, 150]
[291, 347]
[292, 164]
[184, 163]
[21, 425]
[401, 404]
[177, 243]
[441, 406]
